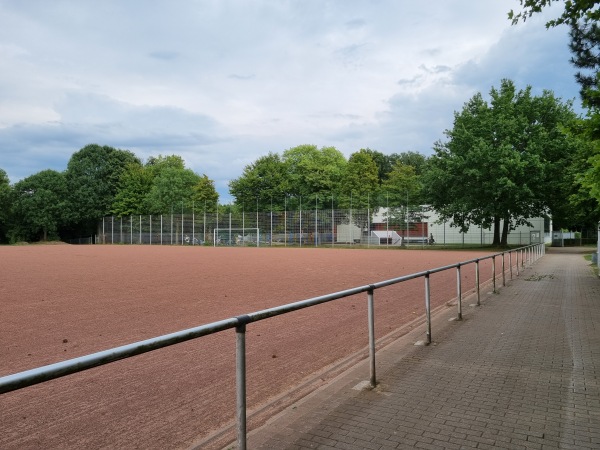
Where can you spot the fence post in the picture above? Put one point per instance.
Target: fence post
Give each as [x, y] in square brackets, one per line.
[503, 272]
[477, 282]
[459, 292]
[522, 258]
[494, 274]
[371, 318]
[240, 357]
[428, 307]
[510, 264]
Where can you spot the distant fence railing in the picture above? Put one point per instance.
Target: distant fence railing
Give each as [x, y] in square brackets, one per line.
[299, 228]
[522, 256]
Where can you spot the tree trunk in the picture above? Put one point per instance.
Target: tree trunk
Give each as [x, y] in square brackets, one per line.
[504, 242]
[496, 242]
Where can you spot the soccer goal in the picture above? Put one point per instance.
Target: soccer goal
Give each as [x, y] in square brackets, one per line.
[237, 236]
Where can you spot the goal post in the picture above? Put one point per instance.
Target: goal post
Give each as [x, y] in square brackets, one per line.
[237, 236]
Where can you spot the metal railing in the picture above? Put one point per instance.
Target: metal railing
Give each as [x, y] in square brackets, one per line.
[524, 256]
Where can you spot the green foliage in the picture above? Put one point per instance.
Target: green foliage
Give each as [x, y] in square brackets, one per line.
[172, 190]
[93, 175]
[574, 11]
[162, 184]
[5, 204]
[264, 180]
[314, 173]
[384, 163]
[360, 182]
[38, 206]
[204, 194]
[584, 44]
[503, 161]
[134, 185]
[402, 185]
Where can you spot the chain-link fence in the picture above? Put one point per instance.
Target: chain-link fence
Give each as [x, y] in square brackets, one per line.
[384, 227]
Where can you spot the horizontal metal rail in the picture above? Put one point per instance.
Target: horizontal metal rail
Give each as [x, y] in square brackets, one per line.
[49, 372]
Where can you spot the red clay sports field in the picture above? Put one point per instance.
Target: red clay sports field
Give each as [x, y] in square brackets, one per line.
[58, 302]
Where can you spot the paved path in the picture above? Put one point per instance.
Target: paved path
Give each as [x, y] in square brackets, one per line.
[522, 371]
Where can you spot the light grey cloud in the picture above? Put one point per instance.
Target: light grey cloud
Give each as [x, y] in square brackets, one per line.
[164, 55]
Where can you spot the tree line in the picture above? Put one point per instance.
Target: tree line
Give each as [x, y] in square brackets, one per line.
[506, 159]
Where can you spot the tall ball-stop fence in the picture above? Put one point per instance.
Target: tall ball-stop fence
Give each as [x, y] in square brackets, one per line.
[366, 227]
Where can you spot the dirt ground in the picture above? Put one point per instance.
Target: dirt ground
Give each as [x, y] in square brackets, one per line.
[58, 302]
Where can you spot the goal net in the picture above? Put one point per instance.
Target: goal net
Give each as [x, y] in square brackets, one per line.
[237, 236]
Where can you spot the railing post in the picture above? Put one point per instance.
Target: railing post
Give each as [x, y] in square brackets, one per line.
[240, 371]
[477, 282]
[371, 318]
[459, 292]
[530, 252]
[503, 272]
[428, 307]
[510, 264]
[522, 259]
[494, 274]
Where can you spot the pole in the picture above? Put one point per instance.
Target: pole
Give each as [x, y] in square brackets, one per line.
[316, 221]
[494, 274]
[371, 318]
[459, 292]
[332, 222]
[428, 307]
[300, 206]
[503, 272]
[193, 223]
[240, 356]
[368, 220]
[477, 282]
[387, 220]
[285, 221]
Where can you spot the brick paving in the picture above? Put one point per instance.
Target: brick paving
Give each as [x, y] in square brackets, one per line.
[521, 371]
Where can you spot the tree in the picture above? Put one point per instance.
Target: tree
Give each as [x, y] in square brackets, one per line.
[156, 164]
[502, 160]
[401, 187]
[360, 181]
[5, 205]
[161, 184]
[384, 163]
[584, 44]
[134, 186]
[205, 194]
[582, 17]
[172, 190]
[93, 175]
[39, 206]
[314, 173]
[413, 159]
[265, 181]
[574, 11]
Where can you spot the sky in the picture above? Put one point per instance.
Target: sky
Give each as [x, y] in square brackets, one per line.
[223, 82]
